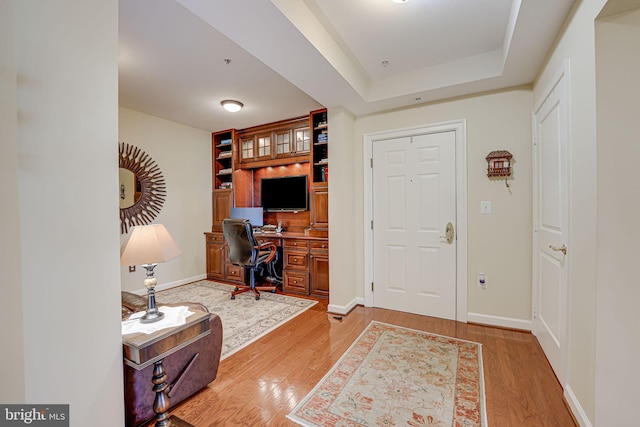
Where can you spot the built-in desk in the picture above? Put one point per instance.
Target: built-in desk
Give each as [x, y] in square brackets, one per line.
[305, 261]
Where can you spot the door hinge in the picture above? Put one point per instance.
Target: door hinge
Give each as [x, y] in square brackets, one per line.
[372, 224]
[371, 286]
[535, 313]
[371, 162]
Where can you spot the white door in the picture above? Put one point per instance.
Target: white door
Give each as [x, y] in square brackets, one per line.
[414, 199]
[551, 216]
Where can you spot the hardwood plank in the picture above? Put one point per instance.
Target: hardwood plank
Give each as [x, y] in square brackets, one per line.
[261, 384]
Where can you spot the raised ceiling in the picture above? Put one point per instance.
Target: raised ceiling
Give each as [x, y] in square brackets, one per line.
[288, 57]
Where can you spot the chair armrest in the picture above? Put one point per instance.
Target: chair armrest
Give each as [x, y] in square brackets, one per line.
[267, 248]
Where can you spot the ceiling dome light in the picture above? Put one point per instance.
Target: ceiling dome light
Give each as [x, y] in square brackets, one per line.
[399, 1]
[231, 105]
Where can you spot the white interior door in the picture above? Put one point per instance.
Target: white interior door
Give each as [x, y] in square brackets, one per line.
[414, 200]
[551, 216]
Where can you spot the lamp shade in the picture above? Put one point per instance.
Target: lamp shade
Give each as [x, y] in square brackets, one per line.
[148, 244]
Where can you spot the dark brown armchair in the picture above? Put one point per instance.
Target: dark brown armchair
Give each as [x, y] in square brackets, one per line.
[245, 251]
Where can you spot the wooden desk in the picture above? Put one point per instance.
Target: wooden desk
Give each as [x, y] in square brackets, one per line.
[305, 261]
[141, 350]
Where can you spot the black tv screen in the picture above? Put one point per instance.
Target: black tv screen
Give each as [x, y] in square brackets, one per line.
[285, 193]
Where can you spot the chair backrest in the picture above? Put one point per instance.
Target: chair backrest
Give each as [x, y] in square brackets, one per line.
[238, 234]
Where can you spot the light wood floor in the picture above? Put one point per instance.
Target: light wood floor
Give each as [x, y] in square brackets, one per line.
[261, 384]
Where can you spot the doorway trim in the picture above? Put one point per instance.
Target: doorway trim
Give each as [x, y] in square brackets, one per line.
[460, 129]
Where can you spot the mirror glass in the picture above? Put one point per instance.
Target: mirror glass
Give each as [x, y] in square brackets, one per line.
[130, 189]
[142, 189]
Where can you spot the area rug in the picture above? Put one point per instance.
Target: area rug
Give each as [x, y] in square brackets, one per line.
[394, 376]
[244, 319]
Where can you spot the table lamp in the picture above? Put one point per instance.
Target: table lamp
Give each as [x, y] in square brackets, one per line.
[149, 245]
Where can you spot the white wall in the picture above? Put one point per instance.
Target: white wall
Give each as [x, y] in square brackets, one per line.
[618, 291]
[343, 208]
[499, 244]
[183, 154]
[67, 85]
[11, 328]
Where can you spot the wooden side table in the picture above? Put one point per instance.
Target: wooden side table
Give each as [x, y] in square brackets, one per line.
[142, 350]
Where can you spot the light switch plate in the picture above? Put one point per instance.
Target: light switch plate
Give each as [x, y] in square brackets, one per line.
[485, 207]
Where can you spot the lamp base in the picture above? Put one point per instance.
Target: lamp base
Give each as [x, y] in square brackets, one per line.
[152, 316]
[150, 282]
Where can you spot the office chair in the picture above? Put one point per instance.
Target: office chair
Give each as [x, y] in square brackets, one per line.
[245, 251]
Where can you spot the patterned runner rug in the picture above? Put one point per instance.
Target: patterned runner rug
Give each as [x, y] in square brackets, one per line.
[244, 319]
[394, 376]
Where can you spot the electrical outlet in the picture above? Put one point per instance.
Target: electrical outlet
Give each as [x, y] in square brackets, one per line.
[482, 281]
[132, 268]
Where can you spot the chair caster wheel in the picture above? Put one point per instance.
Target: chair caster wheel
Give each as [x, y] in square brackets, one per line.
[233, 297]
[236, 289]
[257, 298]
[273, 291]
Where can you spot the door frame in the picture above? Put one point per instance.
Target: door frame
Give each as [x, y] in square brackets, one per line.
[460, 129]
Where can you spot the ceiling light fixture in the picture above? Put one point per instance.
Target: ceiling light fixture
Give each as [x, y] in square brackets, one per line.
[231, 105]
[399, 1]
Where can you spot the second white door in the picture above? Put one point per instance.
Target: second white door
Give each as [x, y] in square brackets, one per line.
[414, 202]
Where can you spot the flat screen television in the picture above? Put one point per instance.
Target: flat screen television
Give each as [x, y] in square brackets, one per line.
[284, 193]
[254, 215]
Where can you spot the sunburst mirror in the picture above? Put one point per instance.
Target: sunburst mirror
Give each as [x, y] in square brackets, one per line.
[142, 187]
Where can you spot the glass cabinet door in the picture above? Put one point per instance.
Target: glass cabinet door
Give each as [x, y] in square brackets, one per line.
[264, 145]
[283, 142]
[246, 148]
[302, 140]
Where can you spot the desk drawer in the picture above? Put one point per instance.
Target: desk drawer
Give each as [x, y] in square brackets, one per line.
[320, 246]
[273, 240]
[297, 244]
[215, 238]
[296, 260]
[234, 273]
[295, 281]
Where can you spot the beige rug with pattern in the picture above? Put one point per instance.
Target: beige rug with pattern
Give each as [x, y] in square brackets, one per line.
[245, 319]
[394, 376]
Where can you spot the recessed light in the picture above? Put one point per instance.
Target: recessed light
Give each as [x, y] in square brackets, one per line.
[231, 105]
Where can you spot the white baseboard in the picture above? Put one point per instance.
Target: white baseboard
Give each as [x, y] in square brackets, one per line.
[503, 322]
[170, 285]
[345, 309]
[576, 408]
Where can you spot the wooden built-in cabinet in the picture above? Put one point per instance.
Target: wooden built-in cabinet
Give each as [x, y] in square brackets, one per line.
[319, 268]
[274, 144]
[319, 204]
[215, 256]
[222, 202]
[241, 158]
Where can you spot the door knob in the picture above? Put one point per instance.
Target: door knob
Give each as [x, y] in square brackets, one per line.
[562, 248]
[449, 233]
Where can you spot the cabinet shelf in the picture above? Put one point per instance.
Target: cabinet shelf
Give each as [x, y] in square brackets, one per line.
[320, 150]
[222, 155]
